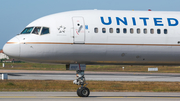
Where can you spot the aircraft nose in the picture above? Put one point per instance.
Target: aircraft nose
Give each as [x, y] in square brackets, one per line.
[12, 48]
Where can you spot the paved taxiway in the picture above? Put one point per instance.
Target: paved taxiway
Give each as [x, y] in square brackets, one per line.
[105, 76]
[100, 96]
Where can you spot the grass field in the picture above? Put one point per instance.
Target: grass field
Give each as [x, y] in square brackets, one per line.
[94, 86]
[105, 68]
[98, 86]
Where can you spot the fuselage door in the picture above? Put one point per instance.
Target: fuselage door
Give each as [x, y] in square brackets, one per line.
[79, 29]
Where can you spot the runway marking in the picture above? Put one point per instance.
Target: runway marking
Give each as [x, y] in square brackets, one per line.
[18, 96]
[110, 97]
[118, 97]
[37, 97]
[62, 97]
[142, 97]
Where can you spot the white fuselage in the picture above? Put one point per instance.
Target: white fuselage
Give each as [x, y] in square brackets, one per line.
[101, 37]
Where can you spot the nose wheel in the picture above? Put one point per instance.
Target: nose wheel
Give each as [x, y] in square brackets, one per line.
[82, 91]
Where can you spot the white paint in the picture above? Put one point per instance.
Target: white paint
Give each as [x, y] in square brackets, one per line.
[153, 69]
[3, 56]
[3, 65]
[99, 48]
[4, 76]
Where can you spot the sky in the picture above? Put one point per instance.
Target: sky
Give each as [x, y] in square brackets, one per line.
[15, 15]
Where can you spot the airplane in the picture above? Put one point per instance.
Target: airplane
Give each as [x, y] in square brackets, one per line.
[108, 37]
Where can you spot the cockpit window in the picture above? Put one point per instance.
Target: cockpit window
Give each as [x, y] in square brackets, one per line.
[45, 30]
[36, 30]
[27, 30]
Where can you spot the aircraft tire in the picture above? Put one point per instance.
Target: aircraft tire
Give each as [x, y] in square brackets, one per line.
[83, 92]
[78, 92]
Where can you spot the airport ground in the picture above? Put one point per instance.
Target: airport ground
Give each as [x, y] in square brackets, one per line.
[90, 75]
[131, 83]
[38, 80]
[94, 86]
[94, 96]
[95, 68]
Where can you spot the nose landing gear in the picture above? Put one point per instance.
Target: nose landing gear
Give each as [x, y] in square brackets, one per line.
[82, 91]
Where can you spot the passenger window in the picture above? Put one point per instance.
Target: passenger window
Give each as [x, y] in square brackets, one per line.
[96, 30]
[138, 31]
[111, 30]
[152, 31]
[165, 31]
[36, 30]
[124, 30]
[158, 31]
[117, 30]
[45, 30]
[104, 30]
[131, 31]
[145, 31]
[27, 30]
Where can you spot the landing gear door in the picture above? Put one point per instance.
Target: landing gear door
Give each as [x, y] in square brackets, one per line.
[79, 30]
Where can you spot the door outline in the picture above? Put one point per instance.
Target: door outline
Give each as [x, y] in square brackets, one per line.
[78, 30]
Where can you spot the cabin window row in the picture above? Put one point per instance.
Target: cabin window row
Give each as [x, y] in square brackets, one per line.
[132, 30]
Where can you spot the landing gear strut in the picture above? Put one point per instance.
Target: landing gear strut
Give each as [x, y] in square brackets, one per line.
[82, 91]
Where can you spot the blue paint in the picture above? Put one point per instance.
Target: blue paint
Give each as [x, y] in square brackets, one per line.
[120, 20]
[134, 21]
[86, 26]
[158, 22]
[106, 23]
[144, 20]
[170, 22]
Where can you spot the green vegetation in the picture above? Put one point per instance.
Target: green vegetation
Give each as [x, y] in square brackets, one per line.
[94, 86]
[32, 66]
[95, 68]
[1, 60]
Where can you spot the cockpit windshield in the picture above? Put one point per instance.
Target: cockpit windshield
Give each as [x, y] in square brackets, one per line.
[36, 30]
[45, 30]
[27, 30]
